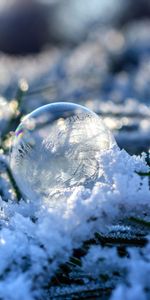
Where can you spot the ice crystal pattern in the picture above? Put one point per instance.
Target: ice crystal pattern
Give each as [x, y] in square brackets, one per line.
[58, 146]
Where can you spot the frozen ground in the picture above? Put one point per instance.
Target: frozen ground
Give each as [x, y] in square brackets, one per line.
[93, 242]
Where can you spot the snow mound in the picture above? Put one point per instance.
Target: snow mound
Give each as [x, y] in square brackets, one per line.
[36, 238]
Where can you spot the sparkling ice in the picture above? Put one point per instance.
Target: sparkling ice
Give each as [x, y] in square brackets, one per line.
[57, 146]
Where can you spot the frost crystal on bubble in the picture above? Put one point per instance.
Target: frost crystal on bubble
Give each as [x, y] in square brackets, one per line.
[58, 146]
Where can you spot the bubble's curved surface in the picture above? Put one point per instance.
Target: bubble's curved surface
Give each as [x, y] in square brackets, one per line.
[57, 146]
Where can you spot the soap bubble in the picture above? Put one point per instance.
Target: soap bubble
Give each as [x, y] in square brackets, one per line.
[57, 147]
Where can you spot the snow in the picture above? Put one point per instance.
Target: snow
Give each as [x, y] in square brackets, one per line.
[36, 238]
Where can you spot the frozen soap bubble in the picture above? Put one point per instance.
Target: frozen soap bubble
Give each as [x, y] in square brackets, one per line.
[57, 146]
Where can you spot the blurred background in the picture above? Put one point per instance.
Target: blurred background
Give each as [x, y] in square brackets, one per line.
[95, 53]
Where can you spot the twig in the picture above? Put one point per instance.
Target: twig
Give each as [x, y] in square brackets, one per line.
[17, 110]
[139, 221]
[143, 173]
[109, 240]
[86, 294]
[21, 92]
[14, 184]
